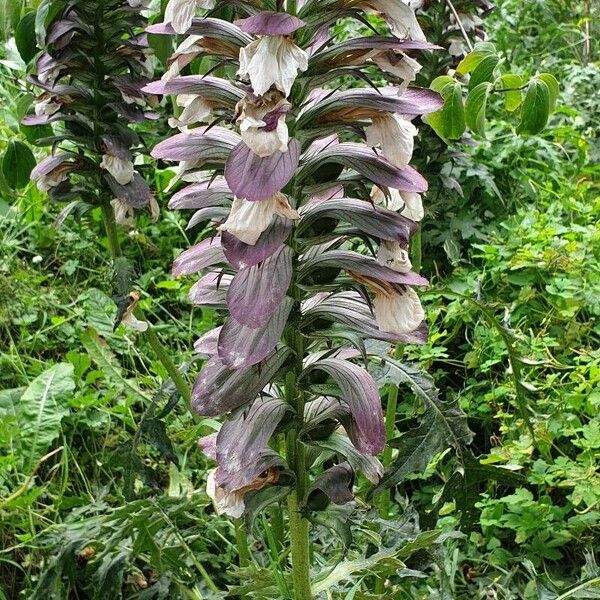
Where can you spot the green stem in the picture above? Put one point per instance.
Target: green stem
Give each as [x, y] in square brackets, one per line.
[174, 373]
[300, 550]
[242, 543]
[296, 458]
[110, 225]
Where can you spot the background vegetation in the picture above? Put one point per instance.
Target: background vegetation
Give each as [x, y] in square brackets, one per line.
[101, 482]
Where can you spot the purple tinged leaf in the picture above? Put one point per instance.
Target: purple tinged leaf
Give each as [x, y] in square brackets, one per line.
[136, 194]
[375, 221]
[369, 164]
[211, 290]
[216, 213]
[253, 178]
[201, 145]
[270, 23]
[201, 195]
[243, 442]
[205, 254]
[363, 265]
[210, 28]
[219, 389]
[241, 347]
[333, 485]
[49, 164]
[242, 256]
[359, 390]
[212, 88]
[351, 310]
[369, 465]
[369, 103]
[257, 291]
[208, 445]
[208, 343]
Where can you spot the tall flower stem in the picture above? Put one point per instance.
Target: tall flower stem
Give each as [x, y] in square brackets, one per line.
[108, 217]
[296, 457]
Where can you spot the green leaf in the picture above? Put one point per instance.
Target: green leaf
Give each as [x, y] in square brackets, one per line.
[440, 84]
[106, 362]
[25, 37]
[513, 97]
[553, 88]
[449, 122]
[465, 485]
[41, 409]
[443, 425]
[484, 71]
[475, 107]
[470, 62]
[17, 164]
[536, 108]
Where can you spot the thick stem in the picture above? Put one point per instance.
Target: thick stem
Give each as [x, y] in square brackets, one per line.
[296, 457]
[300, 550]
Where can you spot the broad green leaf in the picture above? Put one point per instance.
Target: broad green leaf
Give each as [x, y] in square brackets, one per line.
[475, 107]
[25, 37]
[439, 84]
[536, 108]
[484, 72]
[443, 425]
[512, 96]
[470, 62]
[449, 122]
[17, 164]
[553, 88]
[40, 411]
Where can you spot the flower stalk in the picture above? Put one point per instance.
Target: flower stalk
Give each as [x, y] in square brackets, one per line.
[274, 158]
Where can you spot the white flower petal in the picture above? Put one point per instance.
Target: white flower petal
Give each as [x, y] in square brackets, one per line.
[247, 220]
[400, 65]
[181, 12]
[399, 313]
[122, 170]
[401, 18]
[196, 109]
[226, 503]
[124, 214]
[413, 206]
[395, 136]
[272, 60]
[409, 204]
[393, 256]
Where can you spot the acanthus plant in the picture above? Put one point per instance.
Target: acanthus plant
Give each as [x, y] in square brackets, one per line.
[94, 61]
[314, 204]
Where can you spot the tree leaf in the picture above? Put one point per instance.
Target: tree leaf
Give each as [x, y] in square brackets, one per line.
[17, 164]
[553, 88]
[25, 37]
[484, 72]
[449, 122]
[536, 108]
[513, 97]
[475, 107]
[470, 62]
[40, 411]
